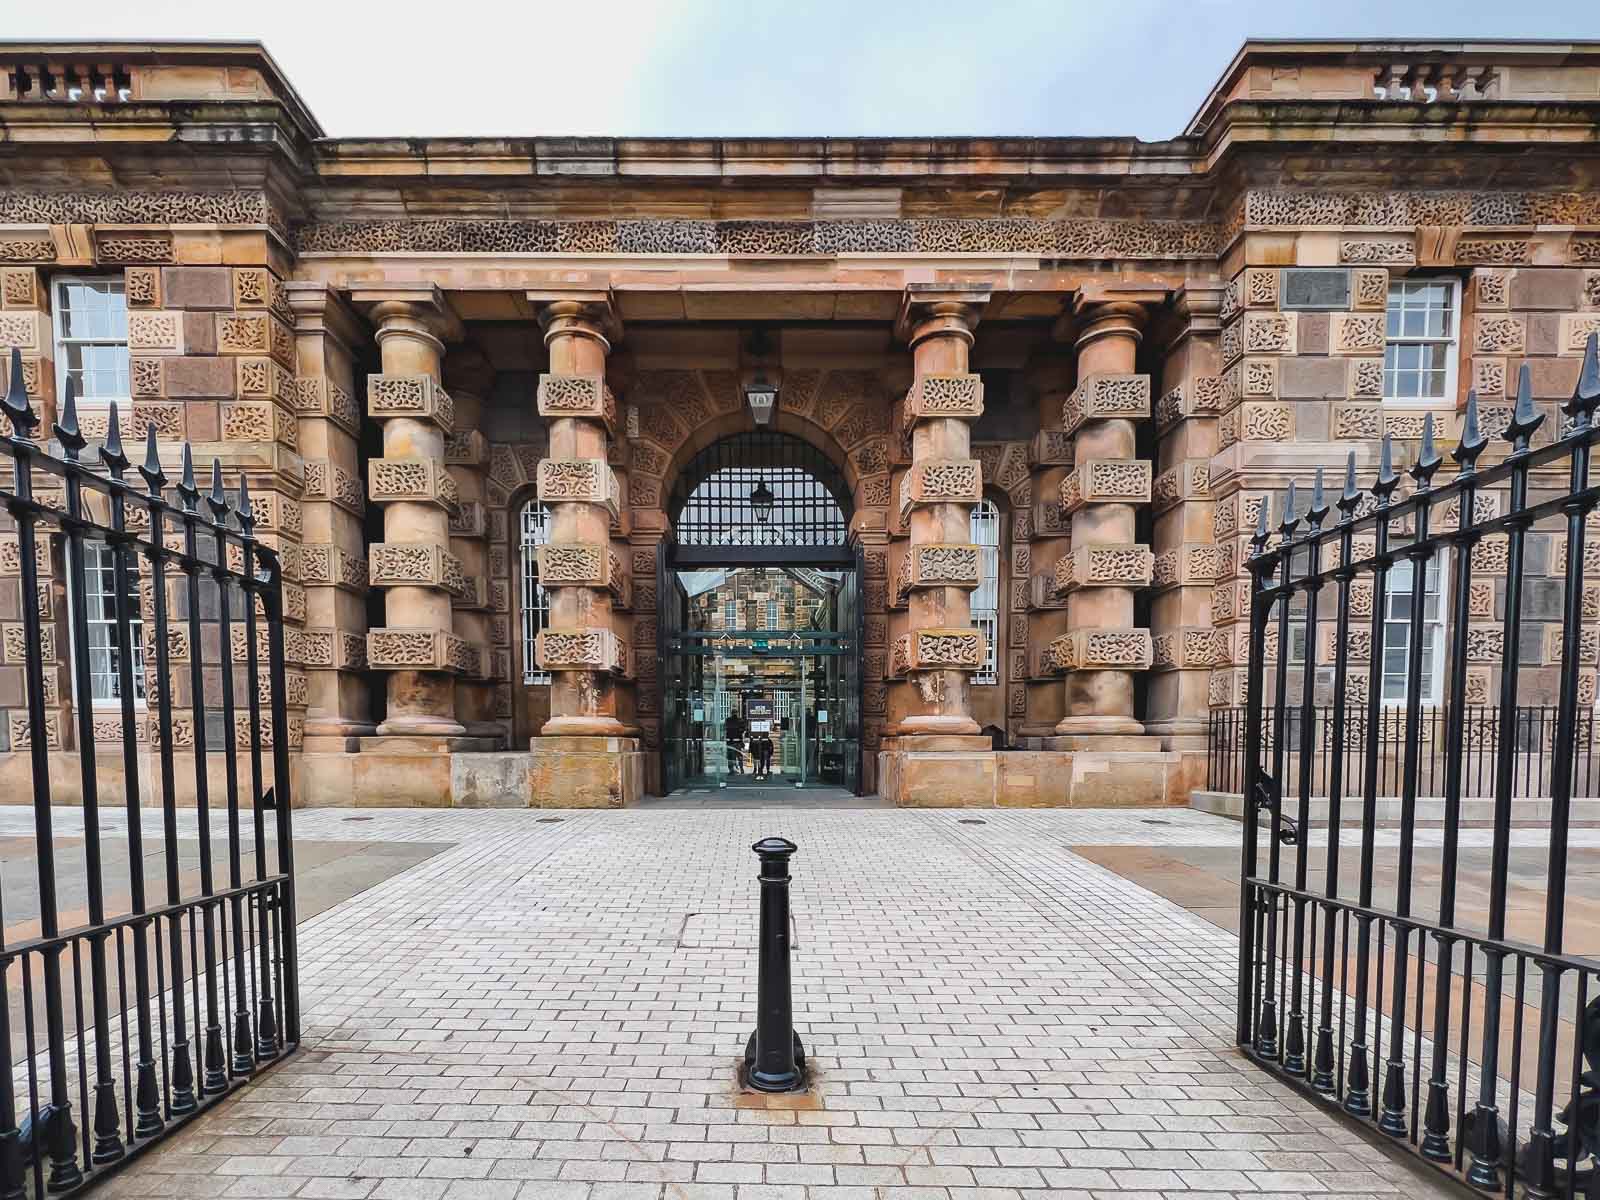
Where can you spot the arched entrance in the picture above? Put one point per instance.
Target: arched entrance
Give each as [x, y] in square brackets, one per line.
[760, 619]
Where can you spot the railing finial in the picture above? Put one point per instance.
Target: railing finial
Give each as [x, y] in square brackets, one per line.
[1586, 395]
[1428, 457]
[15, 402]
[1525, 418]
[1290, 521]
[1472, 441]
[187, 491]
[111, 453]
[217, 502]
[1350, 498]
[1258, 542]
[1318, 512]
[247, 516]
[154, 477]
[66, 426]
[1387, 480]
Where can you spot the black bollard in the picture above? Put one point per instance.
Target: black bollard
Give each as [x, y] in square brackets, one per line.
[774, 1059]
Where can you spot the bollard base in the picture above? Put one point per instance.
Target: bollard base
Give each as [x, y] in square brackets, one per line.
[793, 1081]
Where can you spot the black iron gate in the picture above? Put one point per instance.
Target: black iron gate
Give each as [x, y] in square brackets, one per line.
[1443, 1032]
[120, 1030]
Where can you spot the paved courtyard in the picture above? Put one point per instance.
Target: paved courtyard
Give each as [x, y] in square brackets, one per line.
[552, 1004]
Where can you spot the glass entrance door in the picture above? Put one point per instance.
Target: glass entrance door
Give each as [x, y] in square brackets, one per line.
[759, 678]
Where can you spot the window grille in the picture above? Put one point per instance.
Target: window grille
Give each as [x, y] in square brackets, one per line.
[1419, 355]
[100, 611]
[810, 500]
[535, 600]
[986, 597]
[91, 324]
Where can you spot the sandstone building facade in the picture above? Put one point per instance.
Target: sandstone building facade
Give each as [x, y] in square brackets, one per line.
[1011, 406]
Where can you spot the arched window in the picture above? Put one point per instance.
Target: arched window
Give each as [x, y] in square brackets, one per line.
[535, 526]
[986, 598]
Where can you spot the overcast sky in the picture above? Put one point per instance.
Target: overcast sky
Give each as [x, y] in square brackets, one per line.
[774, 67]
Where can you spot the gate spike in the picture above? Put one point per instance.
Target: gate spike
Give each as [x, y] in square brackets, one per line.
[1387, 481]
[111, 453]
[15, 402]
[66, 426]
[1318, 512]
[1428, 458]
[247, 517]
[1525, 418]
[187, 490]
[1350, 498]
[1472, 441]
[1290, 521]
[1258, 541]
[1586, 395]
[217, 502]
[154, 477]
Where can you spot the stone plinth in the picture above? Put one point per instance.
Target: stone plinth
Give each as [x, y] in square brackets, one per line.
[937, 771]
[585, 772]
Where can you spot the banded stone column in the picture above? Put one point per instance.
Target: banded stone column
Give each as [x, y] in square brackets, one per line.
[417, 645]
[941, 648]
[466, 454]
[1102, 648]
[578, 568]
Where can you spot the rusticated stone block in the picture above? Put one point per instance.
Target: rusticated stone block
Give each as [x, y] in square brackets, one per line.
[941, 481]
[415, 564]
[937, 649]
[467, 448]
[1051, 448]
[584, 480]
[1111, 480]
[416, 396]
[1104, 566]
[1100, 649]
[399, 648]
[942, 565]
[422, 480]
[1100, 396]
[945, 395]
[194, 288]
[1187, 480]
[577, 563]
[20, 288]
[580, 650]
[585, 396]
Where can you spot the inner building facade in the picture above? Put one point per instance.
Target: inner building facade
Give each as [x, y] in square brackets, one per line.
[594, 463]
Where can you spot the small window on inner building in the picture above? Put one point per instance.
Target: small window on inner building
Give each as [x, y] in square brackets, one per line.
[1421, 330]
[986, 597]
[100, 612]
[535, 600]
[91, 327]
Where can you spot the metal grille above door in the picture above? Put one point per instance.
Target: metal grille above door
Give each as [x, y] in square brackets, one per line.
[716, 501]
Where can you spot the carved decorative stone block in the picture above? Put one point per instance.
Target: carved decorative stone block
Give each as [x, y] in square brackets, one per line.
[326, 565]
[957, 395]
[577, 563]
[1101, 649]
[1575, 331]
[1357, 333]
[323, 398]
[400, 648]
[1051, 448]
[584, 480]
[579, 650]
[1269, 333]
[416, 396]
[943, 565]
[1187, 480]
[148, 333]
[1494, 334]
[1192, 563]
[468, 448]
[1100, 396]
[1400, 251]
[423, 480]
[1265, 422]
[941, 481]
[1369, 289]
[585, 396]
[939, 649]
[1260, 287]
[1188, 647]
[1121, 481]
[1104, 566]
[258, 421]
[415, 564]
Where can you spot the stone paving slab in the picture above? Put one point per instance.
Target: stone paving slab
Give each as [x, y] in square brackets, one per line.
[991, 1015]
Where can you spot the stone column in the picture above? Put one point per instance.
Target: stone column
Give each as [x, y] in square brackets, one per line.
[1042, 531]
[417, 645]
[941, 648]
[1102, 648]
[334, 563]
[580, 648]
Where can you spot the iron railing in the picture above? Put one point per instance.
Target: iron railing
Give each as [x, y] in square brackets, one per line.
[1401, 1019]
[1533, 747]
[133, 1024]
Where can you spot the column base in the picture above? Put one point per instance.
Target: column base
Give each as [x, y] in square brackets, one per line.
[585, 772]
[581, 727]
[935, 724]
[338, 727]
[421, 726]
[937, 771]
[1124, 726]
